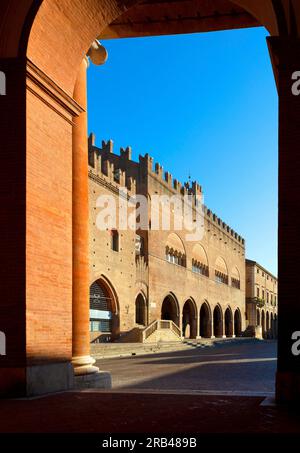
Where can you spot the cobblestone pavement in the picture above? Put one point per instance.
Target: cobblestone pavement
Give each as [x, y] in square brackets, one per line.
[240, 366]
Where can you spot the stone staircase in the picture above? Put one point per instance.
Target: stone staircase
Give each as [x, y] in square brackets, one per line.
[115, 350]
[163, 331]
[159, 336]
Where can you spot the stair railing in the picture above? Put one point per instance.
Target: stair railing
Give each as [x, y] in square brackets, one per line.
[160, 324]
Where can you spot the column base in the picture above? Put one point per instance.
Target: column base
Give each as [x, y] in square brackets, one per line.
[98, 380]
[287, 387]
[84, 365]
[212, 337]
[35, 380]
[224, 336]
[88, 376]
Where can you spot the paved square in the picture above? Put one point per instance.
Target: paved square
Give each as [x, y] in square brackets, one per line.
[234, 367]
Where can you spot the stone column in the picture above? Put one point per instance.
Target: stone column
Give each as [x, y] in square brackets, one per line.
[180, 323]
[285, 53]
[198, 336]
[82, 361]
[212, 326]
[223, 326]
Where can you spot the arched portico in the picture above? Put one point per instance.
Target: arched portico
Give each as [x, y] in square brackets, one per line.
[228, 322]
[218, 321]
[205, 321]
[257, 317]
[267, 325]
[140, 310]
[30, 29]
[237, 323]
[189, 319]
[170, 309]
[263, 324]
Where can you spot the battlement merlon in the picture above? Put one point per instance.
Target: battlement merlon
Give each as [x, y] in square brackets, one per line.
[146, 162]
[159, 170]
[169, 179]
[126, 154]
[107, 147]
[196, 189]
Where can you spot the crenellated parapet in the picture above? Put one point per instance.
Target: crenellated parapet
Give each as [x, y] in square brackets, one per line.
[105, 166]
[217, 221]
[118, 171]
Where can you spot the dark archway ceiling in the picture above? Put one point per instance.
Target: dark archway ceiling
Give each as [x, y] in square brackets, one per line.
[165, 17]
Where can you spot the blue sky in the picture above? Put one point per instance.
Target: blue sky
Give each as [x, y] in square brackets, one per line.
[200, 104]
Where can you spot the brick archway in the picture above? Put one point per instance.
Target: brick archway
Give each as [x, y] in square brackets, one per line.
[104, 311]
[237, 323]
[170, 309]
[218, 322]
[205, 321]
[33, 50]
[228, 318]
[189, 319]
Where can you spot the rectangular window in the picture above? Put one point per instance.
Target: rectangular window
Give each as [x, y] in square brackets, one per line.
[235, 283]
[115, 240]
[139, 245]
[221, 278]
[257, 292]
[200, 269]
[103, 325]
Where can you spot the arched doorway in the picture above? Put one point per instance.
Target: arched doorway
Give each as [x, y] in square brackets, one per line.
[104, 319]
[263, 324]
[189, 319]
[268, 325]
[140, 310]
[228, 322]
[257, 317]
[237, 323]
[205, 321]
[218, 322]
[170, 309]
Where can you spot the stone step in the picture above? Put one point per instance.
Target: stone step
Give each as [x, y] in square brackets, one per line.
[109, 350]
